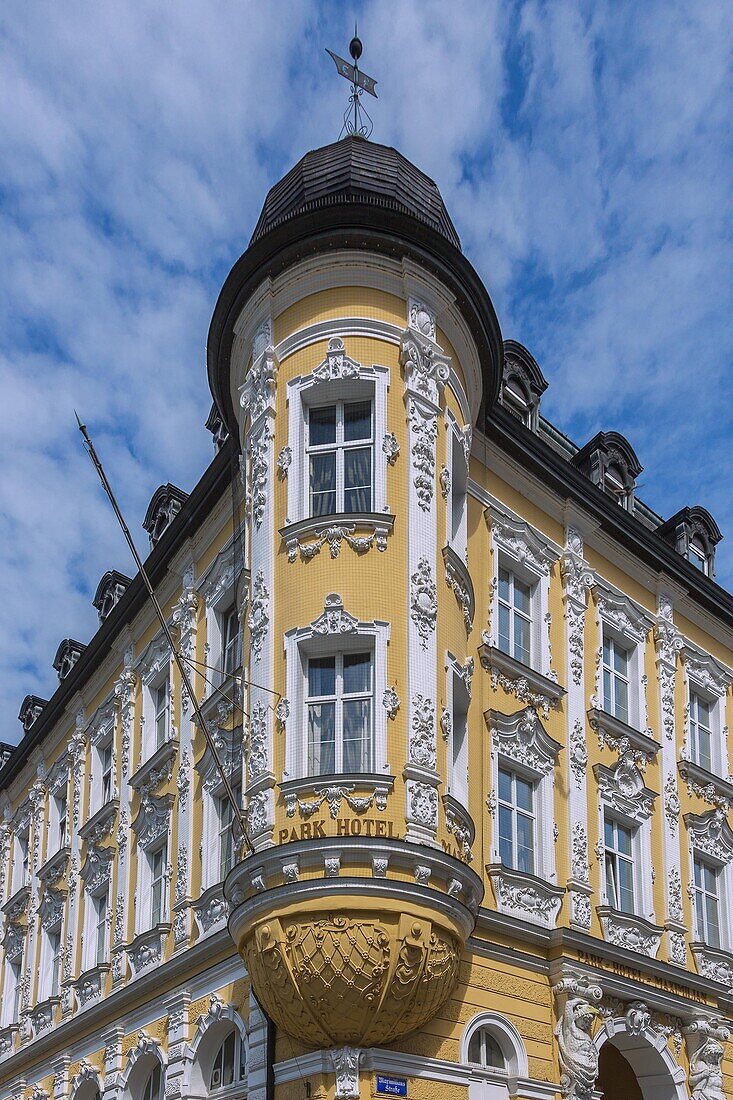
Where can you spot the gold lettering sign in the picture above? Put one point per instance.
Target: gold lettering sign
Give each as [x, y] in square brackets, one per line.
[637, 975]
[344, 826]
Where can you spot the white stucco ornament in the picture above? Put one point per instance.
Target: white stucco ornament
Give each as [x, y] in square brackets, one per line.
[578, 1053]
[706, 1075]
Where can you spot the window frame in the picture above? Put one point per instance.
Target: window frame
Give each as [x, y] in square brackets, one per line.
[151, 855]
[458, 702]
[514, 612]
[620, 620]
[614, 856]
[240, 1065]
[155, 668]
[456, 499]
[318, 640]
[306, 391]
[339, 700]
[340, 448]
[515, 811]
[614, 676]
[718, 871]
[709, 680]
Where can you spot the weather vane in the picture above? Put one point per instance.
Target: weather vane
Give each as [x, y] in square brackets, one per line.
[356, 117]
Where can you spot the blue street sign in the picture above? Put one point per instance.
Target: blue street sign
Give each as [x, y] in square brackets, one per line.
[391, 1086]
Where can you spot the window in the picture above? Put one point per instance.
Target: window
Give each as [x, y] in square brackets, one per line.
[697, 554]
[340, 713]
[21, 864]
[701, 731]
[515, 617]
[99, 905]
[230, 1064]
[60, 808]
[459, 736]
[516, 821]
[707, 908]
[227, 839]
[340, 457]
[619, 866]
[106, 760]
[483, 1050]
[516, 400]
[615, 679]
[154, 1085]
[457, 519]
[230, 649]
[157, 863]
[10, 1007]
[161, 703]
[54, 952]
[614, 485]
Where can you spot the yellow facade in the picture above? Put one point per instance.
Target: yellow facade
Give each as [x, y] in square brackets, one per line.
[450, 917]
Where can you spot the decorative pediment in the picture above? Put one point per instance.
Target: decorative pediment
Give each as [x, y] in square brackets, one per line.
[334, 619]
[30, 708]
[67, 654]
[711, 788]
[211, 909]
[337, 363]
[520, 541]
[523, 738]
[97, 868]
[219, 579]
[102, 723]
[610, 462]
[623, 787]
[694, 533]
[711, 834]
[13, 942]
[228, 745]
[152, 819]
[58, 777]
[621, 613]
[157, 769]
[17, 906]
[101, 823]
[155, 659]
[147, 950]
[709, 674]
[165, 504]
[629, 931]
[51, 909]
[519, 680]
[110, 591]
[217, 427]
[54, 869]
[523, 383]
[86, 1072]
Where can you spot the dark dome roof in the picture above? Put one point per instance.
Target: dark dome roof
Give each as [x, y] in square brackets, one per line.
[354, 170]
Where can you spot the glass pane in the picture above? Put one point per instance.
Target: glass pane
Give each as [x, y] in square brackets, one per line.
[524, 794]
[704, 748]
[525, 844]
[474, 1048]
[626, 886]
[622, 700]
[606, 650]
[611, 881]
[228, 1059]
[521, 639]
[607, 691]
[623, 840]
[322, 738]
[608, 833]
[505, 785]
[358, 480]
[713, 932]
[711, 884]
[699, 873]
[322, 426]
[700, 914]
[357, 420]
[323, 484]
[504, 643]
[357, 672]
[321, 676]
[492, 1053]
[504, 585]
[505, 837]
[357, 735]
[521, 596]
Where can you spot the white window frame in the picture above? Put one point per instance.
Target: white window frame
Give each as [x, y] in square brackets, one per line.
[11, 992]
[92, 901]
[155, 668]
[534, 760]
[151, 856]
[610, 704]
[339, 699]
[458, 700]
[213, 790]
[640, 826]
[495, 1081]
[309, 390]
[101, 737]
[21, 858]
[516, 546]
[707, 678]
[457, 495]
[714, 846]
[238, 1086]
[509, 768]
[160, 839]
[316, 640]
[614, 855]
[58, 808]
[620, 619]
[339, 448]
[220, 589]
[48, 957]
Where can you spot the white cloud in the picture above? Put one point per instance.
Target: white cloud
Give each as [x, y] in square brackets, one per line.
[584, 158]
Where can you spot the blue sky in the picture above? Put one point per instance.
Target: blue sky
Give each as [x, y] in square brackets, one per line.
[584, 152]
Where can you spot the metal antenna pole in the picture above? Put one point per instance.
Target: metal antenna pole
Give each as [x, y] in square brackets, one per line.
[185, 679]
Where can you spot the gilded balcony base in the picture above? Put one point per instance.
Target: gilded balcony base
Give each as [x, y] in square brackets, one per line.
[345, 953]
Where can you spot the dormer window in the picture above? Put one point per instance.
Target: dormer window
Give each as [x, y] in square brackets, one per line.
[109, 592]
[66, 657]
[694, 533]
[611, 464]
[164, 506]
[30, 708]
[523, 384]
[217, 427]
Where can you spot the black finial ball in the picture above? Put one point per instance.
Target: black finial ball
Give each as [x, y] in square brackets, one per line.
[355, 48]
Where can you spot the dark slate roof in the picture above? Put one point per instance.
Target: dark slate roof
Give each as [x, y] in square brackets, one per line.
[356, 170]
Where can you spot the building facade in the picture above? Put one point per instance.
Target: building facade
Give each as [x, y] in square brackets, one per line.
[473, 695]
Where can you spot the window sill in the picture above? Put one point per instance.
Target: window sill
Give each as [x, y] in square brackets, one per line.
[331, 790]
[519, 679]
[211, 909]
[101, 823]
[7, 1039]
[629, 931]
[708, 786]
[713, 963]
[459, 579]
[610, 728]
[335, 529]
[158, 769]
[16, 906]
[43, 1013]
[54, 869]
[89, 986]
[519, 894]
[146, 949]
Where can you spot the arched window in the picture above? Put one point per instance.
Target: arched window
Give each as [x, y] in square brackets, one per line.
[154, 1085]
[484, 1050]
[230, 1063]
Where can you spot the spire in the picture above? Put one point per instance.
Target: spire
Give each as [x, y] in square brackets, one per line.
[357, 121]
